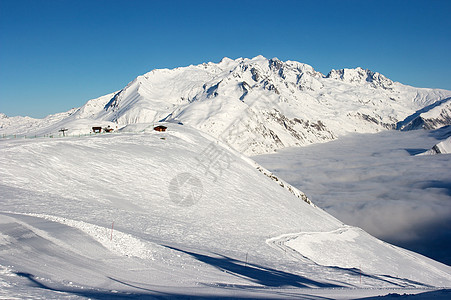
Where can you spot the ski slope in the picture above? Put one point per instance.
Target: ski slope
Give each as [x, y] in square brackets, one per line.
[142, 213]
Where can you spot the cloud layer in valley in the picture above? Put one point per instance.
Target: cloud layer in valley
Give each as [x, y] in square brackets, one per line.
[377, 182]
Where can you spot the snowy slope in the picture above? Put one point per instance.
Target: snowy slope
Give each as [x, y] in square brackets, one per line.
[444, 147]
[260, 105]
[77, 121]
[191, 217]
[22, 125]
[430, 117]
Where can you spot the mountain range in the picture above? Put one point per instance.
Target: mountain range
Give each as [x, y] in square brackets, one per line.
[255, 105]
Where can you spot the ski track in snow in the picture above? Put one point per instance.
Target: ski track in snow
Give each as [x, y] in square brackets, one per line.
[341, 243]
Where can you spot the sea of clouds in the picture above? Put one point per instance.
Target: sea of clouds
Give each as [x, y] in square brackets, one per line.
[379, 183]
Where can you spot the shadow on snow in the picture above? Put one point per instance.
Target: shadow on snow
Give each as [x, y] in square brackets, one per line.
[264, 280]
[264, 276]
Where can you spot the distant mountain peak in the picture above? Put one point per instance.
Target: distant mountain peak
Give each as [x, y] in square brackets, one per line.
[361, 76]
[259, 105]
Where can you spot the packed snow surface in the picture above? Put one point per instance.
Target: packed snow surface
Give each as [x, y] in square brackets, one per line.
[164, 214]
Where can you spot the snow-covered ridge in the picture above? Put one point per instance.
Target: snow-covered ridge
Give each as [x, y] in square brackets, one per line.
[257, 105]
[444, 147]
[432, 116]
[360, 76]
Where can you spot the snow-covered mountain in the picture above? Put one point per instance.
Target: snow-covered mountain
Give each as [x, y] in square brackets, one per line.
[430, 117]
[444, 147]
[177, 213]
[260, 105]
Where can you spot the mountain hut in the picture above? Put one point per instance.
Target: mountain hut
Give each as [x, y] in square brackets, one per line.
[96, 129]
[160, 128]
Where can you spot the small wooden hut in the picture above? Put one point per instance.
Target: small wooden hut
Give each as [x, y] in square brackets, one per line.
[160, 128]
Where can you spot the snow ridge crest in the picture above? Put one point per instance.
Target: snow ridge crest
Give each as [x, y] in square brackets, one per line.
[361, 76]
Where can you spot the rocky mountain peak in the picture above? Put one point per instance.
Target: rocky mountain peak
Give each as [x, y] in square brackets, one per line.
[361, 76]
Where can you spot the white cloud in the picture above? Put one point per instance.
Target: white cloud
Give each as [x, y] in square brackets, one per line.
[373, 181]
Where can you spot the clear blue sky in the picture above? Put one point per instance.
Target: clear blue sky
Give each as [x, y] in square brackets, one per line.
[57, 54]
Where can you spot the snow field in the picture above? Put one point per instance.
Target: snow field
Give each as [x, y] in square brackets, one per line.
[60, 197]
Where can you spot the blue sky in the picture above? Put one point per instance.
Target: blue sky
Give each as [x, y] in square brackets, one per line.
[57, 54]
